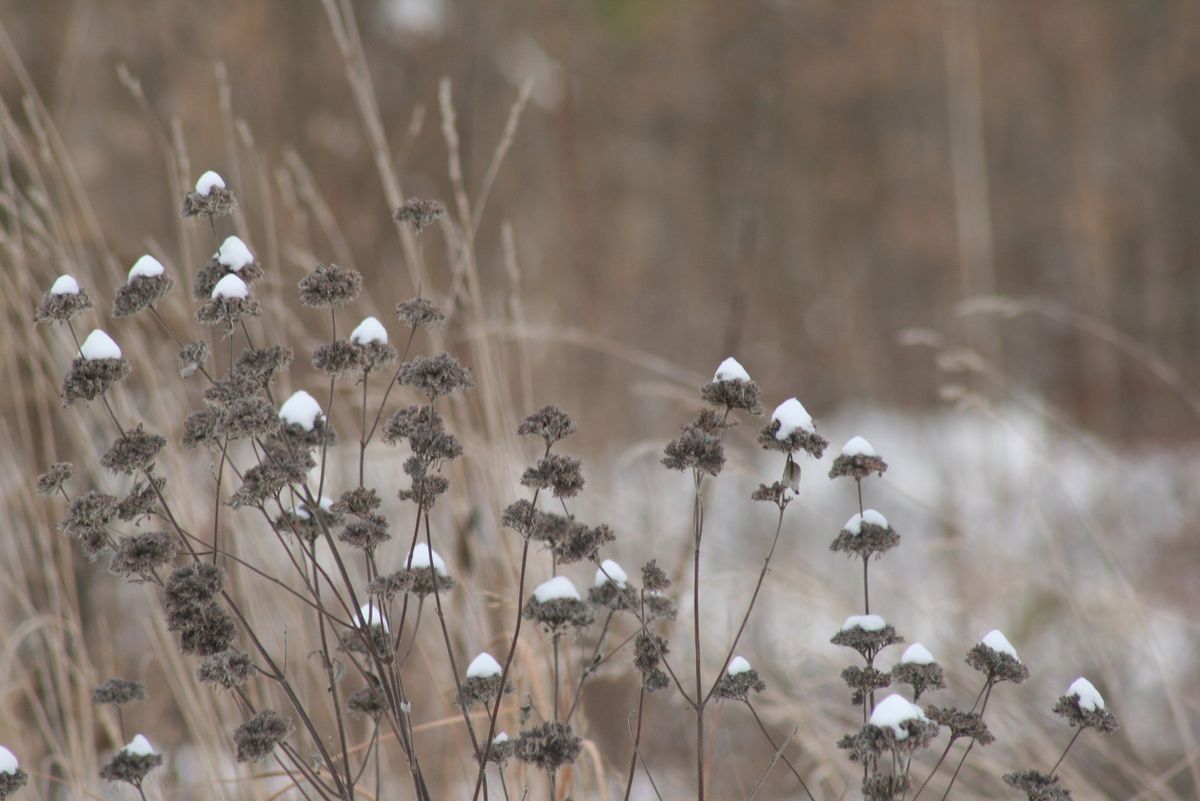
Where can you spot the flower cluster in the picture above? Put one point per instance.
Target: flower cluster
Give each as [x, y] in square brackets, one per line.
[258, 736]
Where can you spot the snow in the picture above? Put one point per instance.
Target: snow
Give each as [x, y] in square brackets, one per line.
[483, 667]
[421, 558]
[893, 711]
[731, 370]
[208, 181]
[1089, 697]
[301, 409]
[502, 737]
[302, 512]
[139, 746]
[368, 331]
[234, 254]
[792, 417]
[998, 642]
[8, 761]
[99, 345]
[373, 615]
[146, 267]
[230, 287]
[864, 622]
[917, 654]
[870, 517]
[610, 570]
[737, 665]
[857, 446]
[65, 285]
[556, 588]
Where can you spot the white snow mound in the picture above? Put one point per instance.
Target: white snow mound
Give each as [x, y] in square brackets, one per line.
[301, 409]
[857, 446]
[209, 181]
[64, 285]
[99, 345]
[869, 516]
[502, 737]
[864, 622]
[737, 665]
[146, 267]
[139, 746]
[893, 711]
[731, 370]
[1089, 697]
[555, 588]
[917, 654]
[421, 559]
[8, 761]
[614, 573]
[483, 667]
[231, 287]
[368, 331]
[373, 615]
[792, 417]
[995, 640]
[234, 254]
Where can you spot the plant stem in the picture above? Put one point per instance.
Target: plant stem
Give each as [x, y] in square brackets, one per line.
[1054, 769]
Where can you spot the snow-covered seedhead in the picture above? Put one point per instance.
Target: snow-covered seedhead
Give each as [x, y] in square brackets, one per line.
[502, 748]
[231, 258]
[301, 411]
[369, 339]
[483, 681]
[368, 331]
[995, 657]
[229, 303]
[234, 255]
[557, 605]
[610, 587]
[918, 669]
[865, 535]
[307, 523]
[792, 429]
[209, 199]
[372, 616]
[147, 285]
[610, 572]
[857, 460]
[896, 726]
[1083, 707]
[428, 571]
[867, 634]
[12, 778]
[893, 712]
[738, 681]
[64, 301]
[732, 388]
[132, 763]
[98, 366]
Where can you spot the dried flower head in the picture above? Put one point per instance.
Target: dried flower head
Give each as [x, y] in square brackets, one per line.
[90, 378]
[366, 533]
[698, 446]
[1083, 707]
[367, 702]
[339, 358]
[659, 606]
[119, 691]
[436, 375]
[258, 736]
[192, 357]
[857, 460]
[420, 214]
[391, 585]
[867, 634]
[885, 787]
[87, 522]
[648, 651]
[798, 439]
[209, 199]
[1038, 786]
[420, 312]
[483, 682]
[142, 554]
[961, 724]
[142, 500]
[263, 364]
[360, 502]
[561, 474]
[549, 746]
[920, 675]
[132, 763]
[654, 578]
[863, 681]
[53, 479]
[229, 668]
[227, 311]
[133, 452]
[192, 584]
[330, 286]
[307, 522]
[557, 605]
[733, 388]
[550, 423]
[63, 302]
[502, 748]
[865, 535]
[581, 542]
[205, 629]
[11, 781]
[141, 292]
[738, 681]
[248, 417]
[995, 657]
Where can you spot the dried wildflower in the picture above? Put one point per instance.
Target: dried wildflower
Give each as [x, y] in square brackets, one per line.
[141, 292]
[330, 286]
[921, 677]
[360, 502]
[775, 493]
[865, 535]
[732, 392]
[142, 554]
[227, 311]
[654, 579]
[422, 426]
[549, 746]
[53, 479]
[194, 583]
[520, 516]
[867, 634]
[901, 736]
[557, 605]
[87, 521]
[263, 364]
[133, 451]
[995, 657]
[420, 214]
[90, 378]
[201, 428]
[483, 682]
[857, 460]
[367, 702]
[864, 681]
[339, 358]
[550, 423]
[436, 375]
[207, 629]
[738, 680]
[792, 429]
[391, 585]
[366, 533]
[132, 763]
[11, 781]
[659, 607]
[264, 481]
[502, 748]
[581, 542]
[192, 357]
[699, 445]
[142, 500]
[258, 736]
[1083, 707]
[648, 650]
[961, 724]
[249, 417]
[1038, 786]
[561, 474]
[426, 487]
[428, 572]
[307, 522]
[119, 691]
[229, 668]
[610, 588]
[63, 302]
[885, 787]
[419, 312]
[210, 198]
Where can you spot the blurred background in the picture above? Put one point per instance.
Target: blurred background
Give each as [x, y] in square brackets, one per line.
[965, 230]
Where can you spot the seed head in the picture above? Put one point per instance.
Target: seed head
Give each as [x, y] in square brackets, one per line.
[118, 692]
[420, 214]
[258, 736]
[53, 479]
